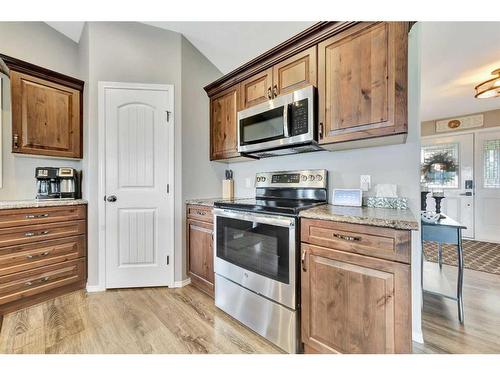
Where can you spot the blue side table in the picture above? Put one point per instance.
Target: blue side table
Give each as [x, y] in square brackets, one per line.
[446, 231]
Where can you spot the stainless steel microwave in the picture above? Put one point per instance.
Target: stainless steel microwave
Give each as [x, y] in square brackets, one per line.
[284, 125]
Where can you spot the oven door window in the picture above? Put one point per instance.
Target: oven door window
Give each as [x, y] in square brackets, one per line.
[260, 248]
[262, 127]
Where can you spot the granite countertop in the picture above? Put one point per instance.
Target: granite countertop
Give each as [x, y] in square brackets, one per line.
[209, 202]
[380, 217]
[34, 203]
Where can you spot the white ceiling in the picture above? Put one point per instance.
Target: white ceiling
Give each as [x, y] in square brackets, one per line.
[230, 44]
[226, 44]
[72, 30]
[456, 56]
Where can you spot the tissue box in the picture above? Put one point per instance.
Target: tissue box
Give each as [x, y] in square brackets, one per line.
[387, 202]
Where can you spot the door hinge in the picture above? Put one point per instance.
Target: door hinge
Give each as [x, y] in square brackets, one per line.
[168, 260]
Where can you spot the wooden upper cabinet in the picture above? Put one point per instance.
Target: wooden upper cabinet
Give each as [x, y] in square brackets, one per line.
[362, 82]
[354, 304]
[223, 124]
[257, 89]
[46, 111]
[295, 72]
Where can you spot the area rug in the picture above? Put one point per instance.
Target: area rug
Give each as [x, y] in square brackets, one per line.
[479, 256]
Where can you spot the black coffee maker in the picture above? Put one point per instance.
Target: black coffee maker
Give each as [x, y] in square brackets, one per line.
[57, 183]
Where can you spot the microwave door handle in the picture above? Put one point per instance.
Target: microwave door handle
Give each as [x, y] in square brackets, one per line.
[285, 121]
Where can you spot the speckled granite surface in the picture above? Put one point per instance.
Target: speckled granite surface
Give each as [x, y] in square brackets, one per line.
[380, 217]
[209, 202]
[33, 203]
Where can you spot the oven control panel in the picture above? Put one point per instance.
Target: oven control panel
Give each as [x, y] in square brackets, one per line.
[314, 178]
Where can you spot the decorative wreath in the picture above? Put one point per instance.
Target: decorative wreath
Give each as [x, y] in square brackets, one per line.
[447, 164]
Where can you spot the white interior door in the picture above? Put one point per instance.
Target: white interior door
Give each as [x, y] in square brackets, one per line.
[459, 200]
[488, 186]
[138, 167]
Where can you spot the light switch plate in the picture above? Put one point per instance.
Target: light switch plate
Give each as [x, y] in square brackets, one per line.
[365, 182]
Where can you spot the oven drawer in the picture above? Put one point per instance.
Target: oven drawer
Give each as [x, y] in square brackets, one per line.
[25, 257]
[378, 242]
[202, 213]
[33, 282]
[40, 232]
[29, 216]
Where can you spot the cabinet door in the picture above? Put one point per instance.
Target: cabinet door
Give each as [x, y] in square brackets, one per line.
[353, 303]
[362, 82]
[295, 72]
[200, 254]
[257, 89]
[45, 117]
[223, 122]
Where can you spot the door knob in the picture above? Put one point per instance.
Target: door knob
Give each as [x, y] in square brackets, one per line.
[111, 198]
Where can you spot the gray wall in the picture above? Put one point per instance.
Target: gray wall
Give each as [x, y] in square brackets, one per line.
[491, 120]
[129, 52]
[39, 44]
[200, 177]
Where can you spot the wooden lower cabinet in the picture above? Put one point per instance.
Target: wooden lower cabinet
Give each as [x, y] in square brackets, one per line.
[43, 254]
[353, 303]
[199, 245]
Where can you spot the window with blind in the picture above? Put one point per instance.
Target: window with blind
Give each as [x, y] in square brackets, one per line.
[491, 156]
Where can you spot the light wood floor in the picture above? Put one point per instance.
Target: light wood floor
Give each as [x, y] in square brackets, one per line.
[162, 320]
[149, 320]
[481, 330]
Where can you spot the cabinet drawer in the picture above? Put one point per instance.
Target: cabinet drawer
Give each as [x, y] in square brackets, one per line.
[25, 257]
[30, 283]
[383, 243]
[202, 213]
[40, 232]
[27, 216]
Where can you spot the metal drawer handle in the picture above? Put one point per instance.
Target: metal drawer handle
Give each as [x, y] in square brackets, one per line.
[31, 234]
[269, 93]
[44, 254]
[39, 281]
[36, 216]
[303, 260]
[201, 213]
[346, 238]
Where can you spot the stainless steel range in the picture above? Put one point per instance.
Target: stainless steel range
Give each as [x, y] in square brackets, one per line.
[256, 257]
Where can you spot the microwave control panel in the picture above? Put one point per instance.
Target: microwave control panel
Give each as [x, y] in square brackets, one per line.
[298, 112]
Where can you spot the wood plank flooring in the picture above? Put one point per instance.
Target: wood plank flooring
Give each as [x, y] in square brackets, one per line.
[162, 320]
[149, 320]
[481, 330]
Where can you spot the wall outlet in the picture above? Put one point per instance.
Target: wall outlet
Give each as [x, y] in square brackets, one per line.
[365, 182]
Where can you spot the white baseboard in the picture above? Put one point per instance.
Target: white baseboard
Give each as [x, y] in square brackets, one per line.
[95, 288]
[180, 284]
[417, 336]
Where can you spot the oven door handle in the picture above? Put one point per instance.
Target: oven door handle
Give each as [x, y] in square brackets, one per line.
[280, 221]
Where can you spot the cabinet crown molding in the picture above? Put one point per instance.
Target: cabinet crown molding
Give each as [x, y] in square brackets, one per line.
[8, 63]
